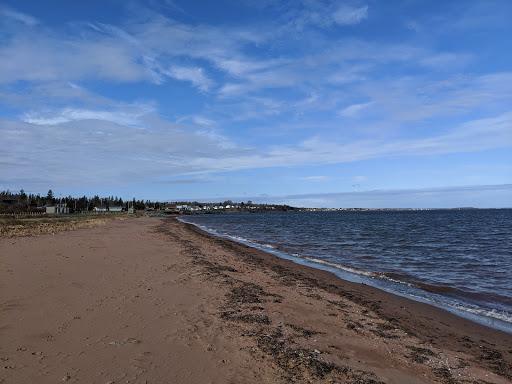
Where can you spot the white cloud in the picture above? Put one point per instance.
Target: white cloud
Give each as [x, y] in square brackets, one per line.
[476, 135]
[194, 75]
[317, 178]
[347, 15]
[18, 16]
[148, 51]
[243, 66]
[35, 57]
[443, 60]
[408, 99]
[141, 51]
[103, 152]
[354, 109]
[302, 14]
[203, 121]
[131, 115]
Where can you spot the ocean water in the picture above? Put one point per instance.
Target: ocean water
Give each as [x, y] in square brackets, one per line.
[460, 260]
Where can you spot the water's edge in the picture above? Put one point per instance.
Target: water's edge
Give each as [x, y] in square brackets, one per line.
[486, 318]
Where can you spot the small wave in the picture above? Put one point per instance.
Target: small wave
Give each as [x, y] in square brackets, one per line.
[489, 313]
[342, 267]
[447, 290]
[238, 239]
[481, 315]
[393, 277]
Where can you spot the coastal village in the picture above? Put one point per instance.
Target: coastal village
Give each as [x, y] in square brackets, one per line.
[20, 203]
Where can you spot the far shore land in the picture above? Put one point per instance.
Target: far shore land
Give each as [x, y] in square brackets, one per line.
[151, 300]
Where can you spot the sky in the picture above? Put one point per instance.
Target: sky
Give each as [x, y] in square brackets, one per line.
[321, 103]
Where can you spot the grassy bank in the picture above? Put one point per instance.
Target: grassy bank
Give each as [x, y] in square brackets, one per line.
[32, 226]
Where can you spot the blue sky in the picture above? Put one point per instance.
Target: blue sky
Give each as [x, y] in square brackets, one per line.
[171, 99]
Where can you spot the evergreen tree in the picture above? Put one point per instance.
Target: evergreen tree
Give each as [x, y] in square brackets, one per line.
[23, 196]
[49, 196]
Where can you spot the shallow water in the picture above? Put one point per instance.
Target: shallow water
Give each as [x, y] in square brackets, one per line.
[458, 259]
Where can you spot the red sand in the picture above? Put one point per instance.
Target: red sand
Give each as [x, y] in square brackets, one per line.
[151, 301]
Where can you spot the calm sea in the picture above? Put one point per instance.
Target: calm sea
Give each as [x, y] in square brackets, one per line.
[460, 260]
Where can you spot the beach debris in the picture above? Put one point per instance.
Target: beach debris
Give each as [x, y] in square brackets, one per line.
[307, 333]
[445, 374]
[299, 363]
[245, 318]
[420, 355]
[496, 362]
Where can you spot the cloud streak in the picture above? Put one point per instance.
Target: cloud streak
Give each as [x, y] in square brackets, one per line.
[46, 147]
[16, 16]
[128, 115]
[347, 15]
[194, 75]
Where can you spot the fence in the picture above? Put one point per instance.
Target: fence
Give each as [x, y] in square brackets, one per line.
[21, 215]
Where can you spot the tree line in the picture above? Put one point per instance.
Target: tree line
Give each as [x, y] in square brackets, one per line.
[11, 202]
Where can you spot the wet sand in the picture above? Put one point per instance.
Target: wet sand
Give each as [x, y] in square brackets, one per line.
[146, 300]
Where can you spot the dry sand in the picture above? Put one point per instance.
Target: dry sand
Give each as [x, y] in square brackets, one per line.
[156, 301]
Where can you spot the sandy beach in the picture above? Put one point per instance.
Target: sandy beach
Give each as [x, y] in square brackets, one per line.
[149, 300]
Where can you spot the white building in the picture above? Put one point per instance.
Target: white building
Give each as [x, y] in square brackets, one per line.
[58, 209]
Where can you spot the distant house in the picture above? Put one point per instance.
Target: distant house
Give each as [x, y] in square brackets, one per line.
[58, 209]
[108, 209]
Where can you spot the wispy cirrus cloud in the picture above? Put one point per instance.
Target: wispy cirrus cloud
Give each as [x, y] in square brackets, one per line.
[11, 14]
[316, 178]
[348, 15]
[354, 109]
[325, 15]
[194, 75]
[472, 136]
[147, 51]
[125, 115]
